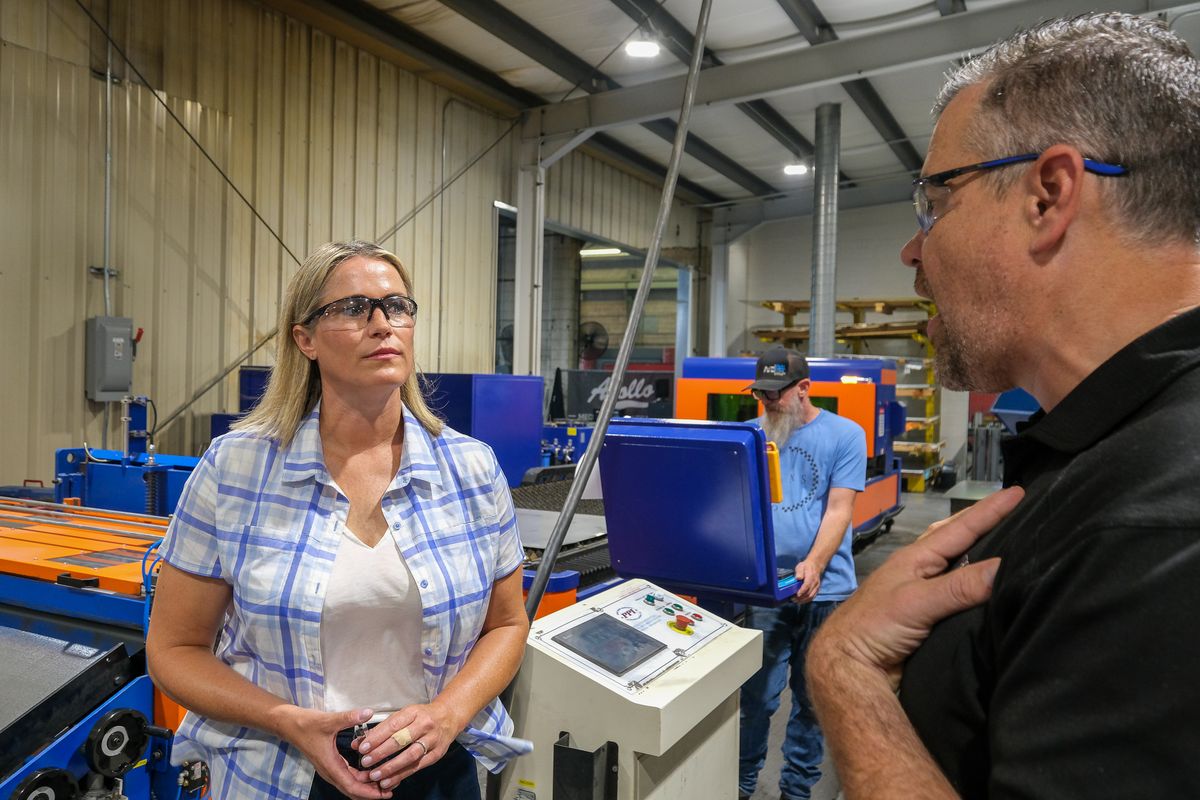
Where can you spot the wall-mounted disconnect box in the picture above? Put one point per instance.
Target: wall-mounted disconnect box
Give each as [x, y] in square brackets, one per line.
[108, 372]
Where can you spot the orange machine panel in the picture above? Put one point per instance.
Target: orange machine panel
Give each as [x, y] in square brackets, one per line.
[878, 496]
[45, 540]
[856, 401]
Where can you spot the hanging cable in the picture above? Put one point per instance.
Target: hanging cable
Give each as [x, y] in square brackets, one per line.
[592, 453]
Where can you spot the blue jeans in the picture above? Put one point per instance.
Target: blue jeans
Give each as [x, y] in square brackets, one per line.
[787, 632]
[452, 778]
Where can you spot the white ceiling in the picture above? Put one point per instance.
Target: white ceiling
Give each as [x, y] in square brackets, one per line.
[739, 30]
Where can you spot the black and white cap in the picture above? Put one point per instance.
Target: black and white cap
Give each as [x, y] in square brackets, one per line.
[779, 368]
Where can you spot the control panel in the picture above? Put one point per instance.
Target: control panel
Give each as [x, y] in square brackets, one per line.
[632, 639]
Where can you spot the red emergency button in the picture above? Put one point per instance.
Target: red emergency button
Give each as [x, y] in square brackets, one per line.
[682, 621]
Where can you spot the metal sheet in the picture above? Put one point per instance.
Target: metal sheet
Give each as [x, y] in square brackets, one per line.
[535, 527]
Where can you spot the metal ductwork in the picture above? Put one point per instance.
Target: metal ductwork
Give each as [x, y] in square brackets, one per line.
[824, 240]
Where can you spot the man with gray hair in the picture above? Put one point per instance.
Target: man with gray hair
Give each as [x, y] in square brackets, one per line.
[1059, 235]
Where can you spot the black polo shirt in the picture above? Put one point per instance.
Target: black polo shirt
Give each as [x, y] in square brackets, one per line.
[1080, 677]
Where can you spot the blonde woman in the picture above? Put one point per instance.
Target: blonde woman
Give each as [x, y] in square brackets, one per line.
[358, 560]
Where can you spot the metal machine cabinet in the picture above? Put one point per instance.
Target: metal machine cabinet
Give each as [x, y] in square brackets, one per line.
[504, 411]
[639, 687]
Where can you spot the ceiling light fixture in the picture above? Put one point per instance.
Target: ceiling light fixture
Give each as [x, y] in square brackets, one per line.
[597, 252]
[796, 169]
[642, 45]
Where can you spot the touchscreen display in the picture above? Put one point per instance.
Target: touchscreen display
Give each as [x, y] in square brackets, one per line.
[610, 644]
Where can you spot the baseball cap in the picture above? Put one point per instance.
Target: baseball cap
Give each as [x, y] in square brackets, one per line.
[779, 368]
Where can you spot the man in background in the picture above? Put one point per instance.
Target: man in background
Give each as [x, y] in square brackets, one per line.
[823, 463]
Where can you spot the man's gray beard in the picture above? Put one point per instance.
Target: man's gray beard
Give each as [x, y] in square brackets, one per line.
[779, 426]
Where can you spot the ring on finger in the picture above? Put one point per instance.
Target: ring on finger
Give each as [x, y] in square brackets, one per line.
[424, 749]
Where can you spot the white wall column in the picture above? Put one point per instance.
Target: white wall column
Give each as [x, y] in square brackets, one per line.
[531, 225]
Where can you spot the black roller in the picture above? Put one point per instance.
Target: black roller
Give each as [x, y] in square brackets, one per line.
[47, 784]
[116, 741]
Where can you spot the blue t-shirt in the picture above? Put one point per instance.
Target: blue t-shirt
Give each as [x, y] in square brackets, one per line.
[828, 453]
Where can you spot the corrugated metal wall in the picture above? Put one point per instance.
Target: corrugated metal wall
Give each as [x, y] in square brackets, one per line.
[325, 140]
[590, 195]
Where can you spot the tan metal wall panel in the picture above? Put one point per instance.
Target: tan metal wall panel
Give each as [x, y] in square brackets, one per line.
[325, 140]
[590, 195]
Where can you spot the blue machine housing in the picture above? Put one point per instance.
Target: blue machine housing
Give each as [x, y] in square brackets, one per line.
[882, 413]
[152, 776]
[106, 479]
[687, 505]
[1014, 407]
[84, 624]
[503, 411]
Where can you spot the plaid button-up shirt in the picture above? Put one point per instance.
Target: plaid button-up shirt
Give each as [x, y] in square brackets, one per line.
[265, 519]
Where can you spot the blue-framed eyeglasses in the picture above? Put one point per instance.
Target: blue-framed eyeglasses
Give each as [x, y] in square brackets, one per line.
[931, 188]
[353, 313]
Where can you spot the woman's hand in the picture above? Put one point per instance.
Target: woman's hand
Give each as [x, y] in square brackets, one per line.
[314, 733]
[420, 734]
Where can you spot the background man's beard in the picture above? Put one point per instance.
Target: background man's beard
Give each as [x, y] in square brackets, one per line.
[779, 426]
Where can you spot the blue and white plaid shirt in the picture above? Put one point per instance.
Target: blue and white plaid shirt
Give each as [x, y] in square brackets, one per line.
[265, 520]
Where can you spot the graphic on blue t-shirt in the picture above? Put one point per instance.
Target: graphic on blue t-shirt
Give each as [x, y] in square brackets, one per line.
[807, 479]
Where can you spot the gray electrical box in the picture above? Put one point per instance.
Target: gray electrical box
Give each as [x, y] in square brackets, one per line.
[108, 373]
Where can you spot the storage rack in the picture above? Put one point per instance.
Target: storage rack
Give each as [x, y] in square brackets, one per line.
[920, 447]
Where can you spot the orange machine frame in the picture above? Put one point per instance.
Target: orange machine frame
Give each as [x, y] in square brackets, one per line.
[856, 401]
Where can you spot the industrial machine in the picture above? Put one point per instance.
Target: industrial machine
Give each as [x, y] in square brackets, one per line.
[1014, 407]
[147, 483]
[504, 411]
[689, 506]
[630, 696]
[583, 567]
[79, 717]
[564, 442]
[860, 389]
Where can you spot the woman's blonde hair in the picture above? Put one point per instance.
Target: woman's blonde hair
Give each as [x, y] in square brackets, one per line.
[295, 384]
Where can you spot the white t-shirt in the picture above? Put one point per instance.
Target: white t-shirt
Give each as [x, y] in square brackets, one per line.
[371, 630]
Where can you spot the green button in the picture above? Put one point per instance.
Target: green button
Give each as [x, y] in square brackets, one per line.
[650, 599]
[677, 607]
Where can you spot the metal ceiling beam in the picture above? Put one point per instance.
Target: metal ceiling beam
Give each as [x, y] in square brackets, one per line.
[363, 19]
[800, 204]
[809, 20]
[519, 34]
[710, 156]
[813, 25]
[835, 62]
[622, 152]
[679, 40]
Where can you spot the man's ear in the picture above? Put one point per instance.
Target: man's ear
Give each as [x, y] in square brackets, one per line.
[1054, 190]
[304, 340]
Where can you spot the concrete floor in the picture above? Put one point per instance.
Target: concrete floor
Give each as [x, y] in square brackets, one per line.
[920, 510]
